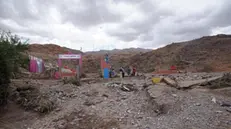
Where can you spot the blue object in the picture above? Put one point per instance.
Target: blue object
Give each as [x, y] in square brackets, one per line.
[106, 73]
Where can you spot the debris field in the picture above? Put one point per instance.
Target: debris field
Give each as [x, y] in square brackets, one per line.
[193, 102]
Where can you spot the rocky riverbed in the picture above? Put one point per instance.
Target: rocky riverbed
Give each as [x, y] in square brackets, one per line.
[130, 103]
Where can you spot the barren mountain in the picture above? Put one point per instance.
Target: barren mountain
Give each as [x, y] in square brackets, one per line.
[117, 57]
[91, 60]
[210, 53]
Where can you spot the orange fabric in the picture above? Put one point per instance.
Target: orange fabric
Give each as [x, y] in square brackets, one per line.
[104, 64]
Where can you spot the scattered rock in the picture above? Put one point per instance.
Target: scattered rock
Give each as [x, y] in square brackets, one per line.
[174, 95]
[128, 111]
[145, 85]
[214, 100]
[218, 82]
[228, 110]
[124, 88]
[190, 83]
[198, 104]
[104, 95]
[113, 84]
[225, 104]
[218, 111]
[58, 109]
[88, 103]
[62, 124]
[31, 98]
[127, 87]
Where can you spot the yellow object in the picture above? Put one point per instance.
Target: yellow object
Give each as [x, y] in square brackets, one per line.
[156, 80]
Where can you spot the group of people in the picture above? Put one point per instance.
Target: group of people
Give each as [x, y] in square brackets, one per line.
[131, 71]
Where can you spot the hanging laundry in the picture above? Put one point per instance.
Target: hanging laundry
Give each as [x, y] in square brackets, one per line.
[36, 65]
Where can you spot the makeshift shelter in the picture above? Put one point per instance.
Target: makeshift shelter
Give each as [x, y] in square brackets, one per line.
[67, 72]
[36, 64]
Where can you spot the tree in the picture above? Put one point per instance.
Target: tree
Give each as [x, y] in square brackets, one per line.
[11, 58]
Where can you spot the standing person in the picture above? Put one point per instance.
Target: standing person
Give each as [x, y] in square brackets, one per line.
[111, 72]
[106, 58]
[122, 72]
[134, 70]
[129, 71]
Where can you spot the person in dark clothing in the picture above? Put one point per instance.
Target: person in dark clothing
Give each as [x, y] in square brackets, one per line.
[106, 58]
[134, 71]
[129, 71]
[112, 72]
[122, 72]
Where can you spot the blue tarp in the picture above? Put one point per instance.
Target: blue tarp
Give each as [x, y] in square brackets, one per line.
[106, 73]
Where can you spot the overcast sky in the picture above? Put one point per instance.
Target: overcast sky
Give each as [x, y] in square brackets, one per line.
[108, 24]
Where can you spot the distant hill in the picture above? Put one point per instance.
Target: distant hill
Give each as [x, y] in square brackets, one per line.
[50, 49]
[118, 57]
[120, 51]
[91, 60]
[209, 53]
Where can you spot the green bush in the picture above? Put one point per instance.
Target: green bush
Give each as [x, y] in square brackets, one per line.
[11, 59]
[4, 80]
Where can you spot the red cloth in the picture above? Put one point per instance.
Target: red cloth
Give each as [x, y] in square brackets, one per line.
[134, 70]
[173, 67]
[57, 75]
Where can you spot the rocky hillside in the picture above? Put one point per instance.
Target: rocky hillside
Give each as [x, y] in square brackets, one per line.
[118, 57]
[210, 53]
[91, 60]
[49, 49]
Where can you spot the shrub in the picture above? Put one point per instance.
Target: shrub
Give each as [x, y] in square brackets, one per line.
[11, 49]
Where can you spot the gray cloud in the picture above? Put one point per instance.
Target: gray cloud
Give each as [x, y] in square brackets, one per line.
[86, 13]
[144, 27]
[222, 17]
[89, 13]
[179, 28]
[203, 23]
[125, 36]
[19, 11]
[158, 25]
[128, 1]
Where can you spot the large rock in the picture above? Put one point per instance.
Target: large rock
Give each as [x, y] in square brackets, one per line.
[170, 82]
[188, 84]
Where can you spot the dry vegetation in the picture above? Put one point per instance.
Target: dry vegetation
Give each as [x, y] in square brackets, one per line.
[30, 98]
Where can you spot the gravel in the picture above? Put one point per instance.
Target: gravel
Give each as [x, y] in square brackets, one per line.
[105, 105]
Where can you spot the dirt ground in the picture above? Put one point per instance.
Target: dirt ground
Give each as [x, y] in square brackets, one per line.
[100, 104]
